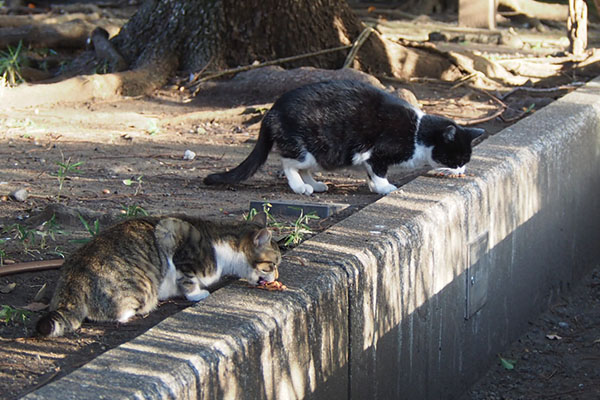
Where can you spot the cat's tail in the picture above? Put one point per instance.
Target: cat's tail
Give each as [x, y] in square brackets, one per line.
[56, 323]
[250, 165]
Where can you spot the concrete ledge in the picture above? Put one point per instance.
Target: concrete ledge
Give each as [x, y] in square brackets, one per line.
[410, 298]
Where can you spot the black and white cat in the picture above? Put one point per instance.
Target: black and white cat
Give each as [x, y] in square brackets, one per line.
[337, 124]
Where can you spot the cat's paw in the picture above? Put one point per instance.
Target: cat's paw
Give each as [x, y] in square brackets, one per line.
[304, 189]
[125, 316]
[382, 188]
[386, 189]
[197, 295]
[319, 187]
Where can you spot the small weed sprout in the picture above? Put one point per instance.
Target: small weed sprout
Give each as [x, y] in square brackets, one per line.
[271, 221]
[57, 252]
[48, 228]
[251, 214]
[299, 228]
[266, 209]
[153, 128]
[2, 252]
[138, 180]
[11, 62]
[64, 169]
[11, 314]
[133, 211]
[102, 68]
[294, 232]
[94, 229]
[25, 235]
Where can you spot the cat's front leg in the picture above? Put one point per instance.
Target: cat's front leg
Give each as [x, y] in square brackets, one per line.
[381, 185]
[197, 295]
[191, 289]
[378, 183]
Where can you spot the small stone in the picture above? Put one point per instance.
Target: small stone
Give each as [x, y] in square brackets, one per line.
[189, 155]
[438, 37]
[19, 195]
[513, 41]
[5, 289]
[563, 325]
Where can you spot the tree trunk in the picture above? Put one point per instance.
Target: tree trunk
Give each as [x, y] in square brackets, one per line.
[211, 35]
[218, 34]
[577, 27]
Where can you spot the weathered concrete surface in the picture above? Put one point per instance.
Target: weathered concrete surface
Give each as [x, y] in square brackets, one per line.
[524, 227]
[410, 298]
[238, 343]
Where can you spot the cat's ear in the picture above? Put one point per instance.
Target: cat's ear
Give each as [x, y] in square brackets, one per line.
[449, 133]
[475, 132]
[262, 237]
[260, 219]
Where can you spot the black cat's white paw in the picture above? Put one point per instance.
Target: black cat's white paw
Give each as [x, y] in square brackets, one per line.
[303, 188]
[319, 187]
[450, 172]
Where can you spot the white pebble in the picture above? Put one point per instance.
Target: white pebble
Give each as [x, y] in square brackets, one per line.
[189, 155]
[19, 195]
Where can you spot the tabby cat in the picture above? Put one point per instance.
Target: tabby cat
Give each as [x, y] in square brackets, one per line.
[128, 268]
[336, 124]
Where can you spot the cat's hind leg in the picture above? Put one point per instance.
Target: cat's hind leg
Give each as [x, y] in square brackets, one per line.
[292, 173]
[307, 177]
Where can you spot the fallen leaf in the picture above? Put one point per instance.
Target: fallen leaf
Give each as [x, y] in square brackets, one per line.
[553, 336]
[506, 363]
[35, 306]
[8, 288]
[40, 293]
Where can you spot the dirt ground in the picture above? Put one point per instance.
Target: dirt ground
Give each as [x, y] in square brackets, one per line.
[106, 160]
[557, 358]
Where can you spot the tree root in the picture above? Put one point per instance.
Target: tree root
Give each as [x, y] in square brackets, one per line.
[537, 9]
[32, 266]
[194, 86]
[89, 87]
[488, 72]
[73, 33]
[106, 51]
